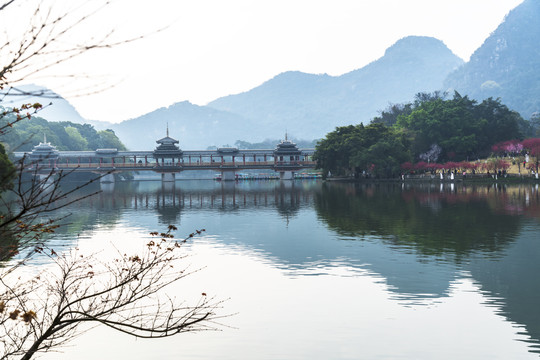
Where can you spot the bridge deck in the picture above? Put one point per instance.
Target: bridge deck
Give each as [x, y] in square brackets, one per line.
[259, 165]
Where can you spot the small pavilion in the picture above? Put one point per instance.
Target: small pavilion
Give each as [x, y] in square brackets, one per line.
[167, 153]
[286, 152]
[44, 154]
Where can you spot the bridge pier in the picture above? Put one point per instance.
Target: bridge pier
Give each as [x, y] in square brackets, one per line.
[45, 181]
[228, 175]
[286, 175]
[168, 186]
[107, 187]
[167, 177]
[45, 178]
[107, 179]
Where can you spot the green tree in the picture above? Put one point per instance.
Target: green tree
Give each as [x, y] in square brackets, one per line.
[390, 116]
[444, 122]
[458, 128]
[77, 141]
[350, 150]
[463, 128]
[65, 135]
[7, 171]
[333, 152]
[382, 157]
[499, 123]
[110, 140]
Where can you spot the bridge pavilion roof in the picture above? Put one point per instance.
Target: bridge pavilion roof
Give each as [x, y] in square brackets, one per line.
[167, 140]
[44, 150]
[287, 147]
[167, 147]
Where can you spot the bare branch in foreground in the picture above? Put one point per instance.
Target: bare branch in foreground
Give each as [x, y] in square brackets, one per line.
[127, 294]
[26, 208]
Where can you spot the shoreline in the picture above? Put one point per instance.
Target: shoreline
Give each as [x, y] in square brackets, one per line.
[478, 178]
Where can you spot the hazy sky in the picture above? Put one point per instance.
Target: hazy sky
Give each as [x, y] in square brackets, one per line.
[213, 48]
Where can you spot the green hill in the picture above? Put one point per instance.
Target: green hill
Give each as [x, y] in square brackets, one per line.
[507, 64]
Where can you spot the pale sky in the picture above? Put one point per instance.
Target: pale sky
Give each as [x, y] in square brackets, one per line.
[214, 48]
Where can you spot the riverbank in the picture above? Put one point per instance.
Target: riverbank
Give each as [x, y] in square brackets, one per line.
[513, 174]
[476, 178]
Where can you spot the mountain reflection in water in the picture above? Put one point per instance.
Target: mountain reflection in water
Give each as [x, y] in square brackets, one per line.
[418, 240]
[491, 232]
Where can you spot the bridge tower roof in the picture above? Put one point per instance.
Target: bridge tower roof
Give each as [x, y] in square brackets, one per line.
[167, 147]
[43, 151]
[167, 141]
[286, 147]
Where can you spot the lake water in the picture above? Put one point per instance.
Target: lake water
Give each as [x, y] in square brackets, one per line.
[313, 270]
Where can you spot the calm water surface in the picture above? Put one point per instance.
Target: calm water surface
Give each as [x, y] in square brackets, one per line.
[333, 271]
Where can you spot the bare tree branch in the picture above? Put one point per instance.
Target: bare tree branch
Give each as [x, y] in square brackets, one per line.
[126, 294]
[43, 311]
[6, 4]
[24, 209]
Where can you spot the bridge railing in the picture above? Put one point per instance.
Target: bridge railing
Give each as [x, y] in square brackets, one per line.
[148, 165]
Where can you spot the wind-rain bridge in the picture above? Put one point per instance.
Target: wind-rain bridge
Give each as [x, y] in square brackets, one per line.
[168, 159]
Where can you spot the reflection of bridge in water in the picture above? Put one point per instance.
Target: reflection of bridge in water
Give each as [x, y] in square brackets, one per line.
[168, 159]
[169, 199]
[230, 199]
[415, 246]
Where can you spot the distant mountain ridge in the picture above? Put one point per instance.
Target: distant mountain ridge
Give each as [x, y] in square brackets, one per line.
[196, 127]
[55, 107]
[307, 106]
[310, 105]
[507, 65]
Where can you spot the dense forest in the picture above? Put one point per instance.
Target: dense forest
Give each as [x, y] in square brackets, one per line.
[65, 135]
[432, 128]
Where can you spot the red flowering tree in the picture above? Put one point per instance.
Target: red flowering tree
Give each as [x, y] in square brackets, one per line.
[510, 147]
[465, 165]
[421, 166]
[451, 165]
[475, 166]
[533, 146]
[407, 166]
[494, 165]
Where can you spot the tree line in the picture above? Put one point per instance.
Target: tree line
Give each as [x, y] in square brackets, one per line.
[432, 128]
[65, 135]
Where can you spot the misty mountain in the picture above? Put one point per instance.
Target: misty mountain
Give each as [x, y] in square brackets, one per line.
[55, 107]
[196, 127]
[507, 63]
[308, 106]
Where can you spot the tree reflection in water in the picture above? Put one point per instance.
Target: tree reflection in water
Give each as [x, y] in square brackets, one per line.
[436, 221]
[417, 239]
[492, 232]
